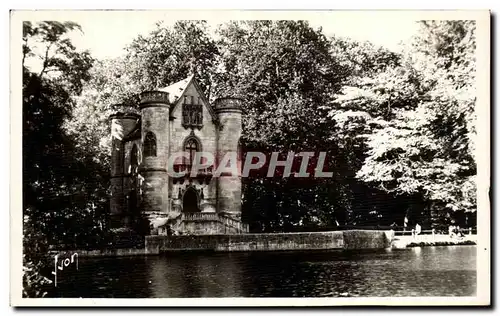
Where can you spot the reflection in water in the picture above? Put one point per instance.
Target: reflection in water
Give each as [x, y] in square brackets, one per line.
[433, 271]
[195, 275]
[417, 251]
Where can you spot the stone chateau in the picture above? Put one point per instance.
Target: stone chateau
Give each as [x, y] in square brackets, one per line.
[177, 118]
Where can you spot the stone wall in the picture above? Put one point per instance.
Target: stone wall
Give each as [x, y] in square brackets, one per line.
[340, 240]
[201, 227]
[366, 239]
[271, 242]
[207, 227]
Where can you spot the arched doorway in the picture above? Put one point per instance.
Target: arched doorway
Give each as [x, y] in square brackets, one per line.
[132, 203]
[190, 201]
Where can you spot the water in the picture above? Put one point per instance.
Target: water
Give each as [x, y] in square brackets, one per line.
[431, 271]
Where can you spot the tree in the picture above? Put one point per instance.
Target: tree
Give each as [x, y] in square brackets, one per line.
[168, 55]
[286, 73]
[55, 182]
[373, 74]
[109, 85]
[417, 119]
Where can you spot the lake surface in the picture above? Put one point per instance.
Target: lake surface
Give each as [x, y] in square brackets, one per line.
[430, 271]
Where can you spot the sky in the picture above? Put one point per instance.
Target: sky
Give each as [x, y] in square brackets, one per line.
[106, 33]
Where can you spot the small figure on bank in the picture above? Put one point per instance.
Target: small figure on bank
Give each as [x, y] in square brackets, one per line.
[451, 231]
[418, 229]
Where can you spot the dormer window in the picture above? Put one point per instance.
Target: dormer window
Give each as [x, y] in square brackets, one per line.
[192, 112]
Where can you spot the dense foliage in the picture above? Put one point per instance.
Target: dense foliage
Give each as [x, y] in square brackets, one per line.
[64, 198]
[286, 73]
[418, 119]
[398, 128]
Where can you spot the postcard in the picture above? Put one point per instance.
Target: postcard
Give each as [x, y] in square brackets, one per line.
[241, 158]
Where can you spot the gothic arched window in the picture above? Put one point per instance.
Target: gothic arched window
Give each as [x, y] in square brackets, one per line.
[191, 147]
[149, 146]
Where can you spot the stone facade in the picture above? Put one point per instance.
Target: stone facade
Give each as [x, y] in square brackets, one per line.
[176, 119]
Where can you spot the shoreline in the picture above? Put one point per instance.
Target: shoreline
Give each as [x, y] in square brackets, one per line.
[441, 243]
[402, 242]
[237, 243]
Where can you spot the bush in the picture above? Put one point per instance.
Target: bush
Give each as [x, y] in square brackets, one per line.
[34, 282]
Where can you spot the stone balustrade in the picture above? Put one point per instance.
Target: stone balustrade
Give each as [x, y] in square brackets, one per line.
[242, 227]
[229, 225]
[200, 217]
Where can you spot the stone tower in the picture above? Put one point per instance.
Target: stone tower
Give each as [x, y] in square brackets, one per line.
[228, 112]
[155, 111]
[121, 125]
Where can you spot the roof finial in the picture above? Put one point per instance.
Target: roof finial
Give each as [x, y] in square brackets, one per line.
[193, 68]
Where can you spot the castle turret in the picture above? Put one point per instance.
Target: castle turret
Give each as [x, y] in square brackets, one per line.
[229, 112]
[155, 108]
[121, 125]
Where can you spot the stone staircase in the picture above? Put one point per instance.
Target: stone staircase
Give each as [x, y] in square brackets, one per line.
[208, 224]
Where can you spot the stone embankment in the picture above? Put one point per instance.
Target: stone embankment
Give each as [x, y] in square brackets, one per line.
[332, 240]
